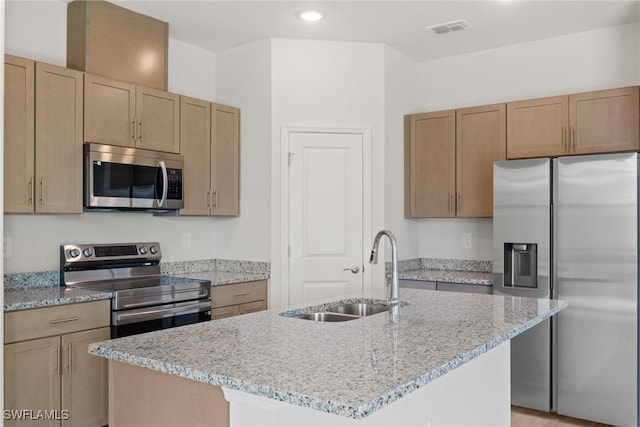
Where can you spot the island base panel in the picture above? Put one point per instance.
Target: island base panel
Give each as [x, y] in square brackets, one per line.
[144, 398]
[477, 393]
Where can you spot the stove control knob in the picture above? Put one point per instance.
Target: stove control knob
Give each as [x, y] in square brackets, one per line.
[87, 252]
[142, 250]
[74, 253]
[153, 250]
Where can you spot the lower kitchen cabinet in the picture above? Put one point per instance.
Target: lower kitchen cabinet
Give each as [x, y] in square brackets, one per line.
[418, 284]
[446, 286]
[464, 287]
[50, 371]
[238, 298]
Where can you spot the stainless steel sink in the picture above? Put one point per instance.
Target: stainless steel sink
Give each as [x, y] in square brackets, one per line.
[326, 317]
[359, 309]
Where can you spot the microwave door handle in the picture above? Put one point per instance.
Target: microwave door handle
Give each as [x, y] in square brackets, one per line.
[165, 180]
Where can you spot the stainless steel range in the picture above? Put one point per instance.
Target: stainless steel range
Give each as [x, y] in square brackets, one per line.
[144, 300]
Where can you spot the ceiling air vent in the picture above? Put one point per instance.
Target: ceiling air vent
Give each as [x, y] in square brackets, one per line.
[448, 27]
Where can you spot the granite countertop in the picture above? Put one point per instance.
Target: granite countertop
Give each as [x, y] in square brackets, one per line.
[348, 368]
[469, 277]
[27, 298]
[218, 277]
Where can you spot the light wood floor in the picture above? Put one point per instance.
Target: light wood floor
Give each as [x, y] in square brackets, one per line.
[522, 417]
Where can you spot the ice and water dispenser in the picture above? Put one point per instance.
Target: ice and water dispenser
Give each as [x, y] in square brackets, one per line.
[521, 265]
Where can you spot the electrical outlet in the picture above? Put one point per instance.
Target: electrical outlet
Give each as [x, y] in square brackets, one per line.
[7, 247]
[186, 240]
[467, 240]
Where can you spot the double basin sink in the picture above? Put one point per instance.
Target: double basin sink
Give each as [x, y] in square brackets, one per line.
[344, 312]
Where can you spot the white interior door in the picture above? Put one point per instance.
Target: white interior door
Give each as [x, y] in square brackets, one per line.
[325, 217]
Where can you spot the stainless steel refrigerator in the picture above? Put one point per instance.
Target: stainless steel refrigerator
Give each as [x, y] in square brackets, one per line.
[567, 228]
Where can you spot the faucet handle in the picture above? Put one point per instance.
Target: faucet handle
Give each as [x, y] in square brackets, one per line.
[355, 269]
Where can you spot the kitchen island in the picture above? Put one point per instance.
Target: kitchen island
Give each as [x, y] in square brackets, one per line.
[446, 361]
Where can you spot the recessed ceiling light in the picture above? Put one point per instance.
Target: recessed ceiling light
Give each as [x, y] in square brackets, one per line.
[311, 16]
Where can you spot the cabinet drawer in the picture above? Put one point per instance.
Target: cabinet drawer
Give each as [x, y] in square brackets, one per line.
[48, 321]
[252, 307]
[239, 293]
[222, 312]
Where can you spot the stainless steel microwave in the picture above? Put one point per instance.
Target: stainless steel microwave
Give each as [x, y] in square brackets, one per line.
[122, 178]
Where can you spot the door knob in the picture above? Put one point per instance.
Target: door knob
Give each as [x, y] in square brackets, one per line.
[355, 269]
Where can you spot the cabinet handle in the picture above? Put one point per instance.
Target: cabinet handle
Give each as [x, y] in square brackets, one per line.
[141, 130]
[69, 360]
[564, 139]
[241, 295]
[574, 139]
[58, 360]
[42, 191]
[30, 189]
[450, 202]
[208, 198]
[459, 202]
[215, 199]
[133, 130]
[66, 319]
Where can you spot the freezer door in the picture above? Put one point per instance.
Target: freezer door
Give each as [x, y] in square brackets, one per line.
[522, 267]
[522, 227]
[597, 270]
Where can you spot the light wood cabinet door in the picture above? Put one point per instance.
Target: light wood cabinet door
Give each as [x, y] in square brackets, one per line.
[222, 312]
[481, 139]
[85, 380]
[605, 121]
[58, 139]
[32, 378]
[252, 307]
[538, 127]
[109, 40]
[109, 111]
[195, 146]
[19, 86]
[158, 120]
[225, 160]
[430, 177]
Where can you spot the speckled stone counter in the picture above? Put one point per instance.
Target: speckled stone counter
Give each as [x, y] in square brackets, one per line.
[469, 277]
[470, 272]
[26, 298]
[351, 368]
[218, 278]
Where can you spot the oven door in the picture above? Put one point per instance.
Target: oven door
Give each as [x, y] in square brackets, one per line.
[127, 178]
[147, 319]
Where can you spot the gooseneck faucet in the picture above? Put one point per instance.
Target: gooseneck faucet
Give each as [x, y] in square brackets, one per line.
[394, 299]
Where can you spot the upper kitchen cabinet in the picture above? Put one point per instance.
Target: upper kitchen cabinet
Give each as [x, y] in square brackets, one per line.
[210, 144]
[537, 127]
[43, 138]
[225, 160]
[586, 123]
[123, 114]
[429, 167]
[605, 121]
[195, 146]
[481, 139]
[111, 41]
[19, 134]
[449, 159]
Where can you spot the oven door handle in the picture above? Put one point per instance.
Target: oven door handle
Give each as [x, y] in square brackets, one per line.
[161, 312]
[165, 183]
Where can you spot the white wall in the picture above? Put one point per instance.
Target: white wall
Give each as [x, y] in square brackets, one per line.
[37, 30]
[401, 96]
[244, 80]
[593, 60]
[326, 84]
